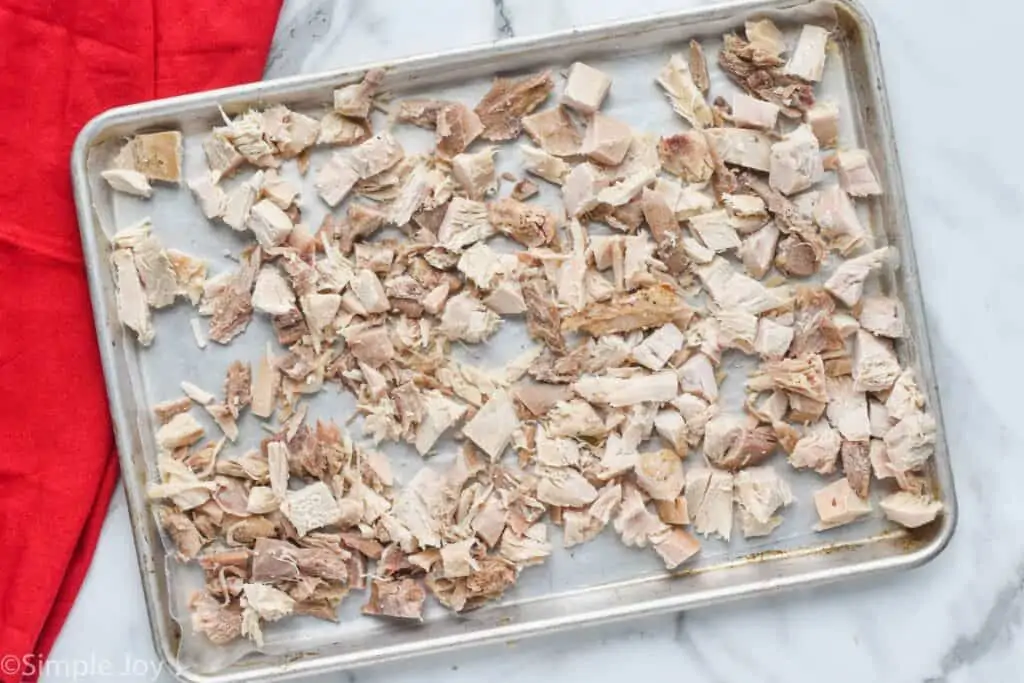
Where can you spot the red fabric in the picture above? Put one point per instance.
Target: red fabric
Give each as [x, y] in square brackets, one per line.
[62, 62]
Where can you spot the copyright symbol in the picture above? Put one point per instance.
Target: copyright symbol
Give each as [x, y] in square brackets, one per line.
[10, 664]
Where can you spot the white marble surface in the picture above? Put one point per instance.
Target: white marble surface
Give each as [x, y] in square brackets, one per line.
[956, 619]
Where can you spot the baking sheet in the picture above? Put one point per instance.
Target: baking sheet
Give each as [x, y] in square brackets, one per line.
[594, 582]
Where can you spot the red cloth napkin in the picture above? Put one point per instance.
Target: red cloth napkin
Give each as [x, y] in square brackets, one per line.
[62, 62]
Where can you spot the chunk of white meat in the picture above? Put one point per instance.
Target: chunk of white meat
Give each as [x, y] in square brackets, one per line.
[272, 294]
[660, 474]
[636, 524]
[836, 216]
[376, 155]
[617, 392]
[737, 329]
[823, 118]
[475, 172]
[671, 427]
[875, 366]
[817, 449]
[697, 376]
[882, 315]
[847, 409]
[212, 199]
[808, 59]
[132, 306]
[585, 88]
[760, 492]
[905, 399]
[492, 427]
[269, 224]
[795, 164]
[847, 282]
[654, 351]
[709, 500]
[674, 546]
[910, 442]
[750, 112]
[439, 414]
[465, 222]
[910, 510]
[606, 140]
[466, 318]
[367, 288]
[837, 504]
[564, 487]
[686, 98]
[758, 250]
[544, 165]
[715, 230]
[857, 173]
[765, 36]
[128, 181]
[335, 179]
[311, 507]
[773, 340]
[741, 147]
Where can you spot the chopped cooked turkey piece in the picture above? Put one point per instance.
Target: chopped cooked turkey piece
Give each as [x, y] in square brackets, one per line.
[335, 179]
[737, 329]
[356, 99]
[132, 307]
[715, 230]
[481, 265]
[645, 308]
[672, 428]
[732, 442]
[837, 504]
[665, 229]
[238, 201]
[564, 487]
[875, 366]
[771, 409]
[542, 317]
[181, 430]
[709, 501]
[264, 386]
[440, 413]
[878, 456]
[795, 164]
[616, 392]
[857, 175]
[799, 257]
[213, 202]
[882, 315]
[750, 112]
[847, 409]
[400, 598]
[336, 129]
[697, 376]
[221, 156]
[456, 127]
[269, 224]
[817, 449]
[773, 340]
[465, 222]
[804, 376]
[457, 560]
[765, 37]
[370, 292]
[261, 602]
[622, 192]
[475, 172]
[524, 189]
[654, 352]
[157, 273]
[683, 93]
[420, 112]
[501, 110]
[636, 524]
[808, 59]
[532, 226]
[675, 546]
[660, 474]
[311, 507]
[686, 155]
[574, 418]
[165, 410]
[220, 623]
[506, 298]
[905, 399]
[836, 216]
[741, 147]
[246, 133]
[466, 318]
[910, 442]
[878, 418]
[553, 131]
[823, 118]
[187, 539]
[492, 427]
[699, 67]
[291, 132]
[673, 512]
[731, 289]
[528, 548]
[847, 282]
[805, 410]
[376, 155]
[585, 88]
[128, 181]
[606, 140]
[157, 156]
[544, 165]
[856, 460]
[910, 510]
[760, 492]
[580, 189]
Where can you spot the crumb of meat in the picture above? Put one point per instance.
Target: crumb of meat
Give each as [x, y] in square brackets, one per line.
[501, 110]
[524, 189]
[683, 92]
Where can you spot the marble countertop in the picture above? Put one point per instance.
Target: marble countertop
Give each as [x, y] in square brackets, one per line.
[957, 618]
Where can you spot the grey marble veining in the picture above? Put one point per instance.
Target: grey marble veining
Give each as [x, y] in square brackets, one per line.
[958, 618]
